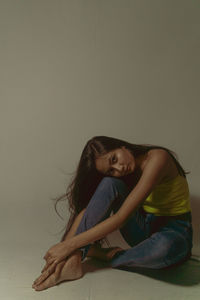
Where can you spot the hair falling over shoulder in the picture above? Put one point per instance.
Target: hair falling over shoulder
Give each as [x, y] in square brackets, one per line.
[86, 178]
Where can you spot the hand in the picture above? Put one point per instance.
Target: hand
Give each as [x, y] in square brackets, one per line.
[54, 255]
[58, 252]
[52, 269]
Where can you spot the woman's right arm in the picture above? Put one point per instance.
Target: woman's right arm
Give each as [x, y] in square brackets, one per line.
[152, 174]
[72, 230]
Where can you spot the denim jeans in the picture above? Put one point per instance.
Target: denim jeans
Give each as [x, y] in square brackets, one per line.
[156, 241]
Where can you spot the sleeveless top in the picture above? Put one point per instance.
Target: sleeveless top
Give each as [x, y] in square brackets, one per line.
[169, 198]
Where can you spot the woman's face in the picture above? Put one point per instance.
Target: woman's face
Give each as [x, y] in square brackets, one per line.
[117, 163]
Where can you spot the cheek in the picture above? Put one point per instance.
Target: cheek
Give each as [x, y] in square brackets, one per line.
[132, 163]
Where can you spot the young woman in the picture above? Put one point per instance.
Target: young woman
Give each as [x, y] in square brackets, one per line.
[139, 189]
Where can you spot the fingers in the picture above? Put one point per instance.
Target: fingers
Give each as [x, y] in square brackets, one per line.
[48, 263]
[59, 268]
[45, 274]
[46, 256]
[45, 268]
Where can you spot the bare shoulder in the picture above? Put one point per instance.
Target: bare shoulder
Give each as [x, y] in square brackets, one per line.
[158, 153]
[158, 156]
[155, 156]
[159, 159]
[162, 156]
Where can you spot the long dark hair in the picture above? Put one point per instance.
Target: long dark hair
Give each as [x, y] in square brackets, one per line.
[86, 179]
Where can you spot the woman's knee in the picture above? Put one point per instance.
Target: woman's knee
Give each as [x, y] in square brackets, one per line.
[114, 182]
[111, 180]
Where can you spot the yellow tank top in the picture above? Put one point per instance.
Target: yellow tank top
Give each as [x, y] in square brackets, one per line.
[169, 198]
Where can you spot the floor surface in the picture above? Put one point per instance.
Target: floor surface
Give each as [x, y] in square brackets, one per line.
[19, 267]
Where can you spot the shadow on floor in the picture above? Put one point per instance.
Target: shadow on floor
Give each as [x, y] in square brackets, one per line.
[185, 274]
[94, 265]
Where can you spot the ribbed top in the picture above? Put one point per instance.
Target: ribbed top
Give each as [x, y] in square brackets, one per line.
[169, 198]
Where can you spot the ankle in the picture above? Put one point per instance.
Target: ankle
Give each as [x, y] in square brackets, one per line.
[105, 254]
[114, 251]
[75, 264]
[76, 254]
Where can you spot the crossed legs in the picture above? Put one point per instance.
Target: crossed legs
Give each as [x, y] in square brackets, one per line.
[150, 252]
[71, 268]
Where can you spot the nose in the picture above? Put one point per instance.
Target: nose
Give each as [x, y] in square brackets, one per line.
[119, 168]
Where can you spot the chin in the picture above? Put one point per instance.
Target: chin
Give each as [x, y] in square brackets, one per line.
[132, 168]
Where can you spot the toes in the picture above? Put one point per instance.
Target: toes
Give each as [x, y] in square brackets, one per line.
[40, 287]
[45, 274]
[42, 283]
[58, 270]
[49, 282]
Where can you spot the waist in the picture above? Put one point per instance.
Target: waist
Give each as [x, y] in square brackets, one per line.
[184, 217]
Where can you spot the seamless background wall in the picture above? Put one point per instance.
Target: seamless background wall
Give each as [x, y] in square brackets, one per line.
[74, 69]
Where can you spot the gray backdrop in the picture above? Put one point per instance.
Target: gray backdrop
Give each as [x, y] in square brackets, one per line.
[71, 70]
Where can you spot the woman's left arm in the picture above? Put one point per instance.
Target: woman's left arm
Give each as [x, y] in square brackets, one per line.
[153, 173]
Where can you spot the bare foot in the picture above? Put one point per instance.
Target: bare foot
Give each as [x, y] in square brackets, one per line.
[104, 254]
[69, 269]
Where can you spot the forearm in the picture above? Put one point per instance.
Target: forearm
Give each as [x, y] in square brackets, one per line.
[97, 232]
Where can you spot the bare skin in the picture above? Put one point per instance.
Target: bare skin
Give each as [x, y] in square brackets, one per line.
[71, 268]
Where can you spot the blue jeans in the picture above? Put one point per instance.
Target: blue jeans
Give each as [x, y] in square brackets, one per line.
[156, 241]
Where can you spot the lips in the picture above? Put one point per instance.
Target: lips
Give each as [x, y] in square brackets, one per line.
[126, 170]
